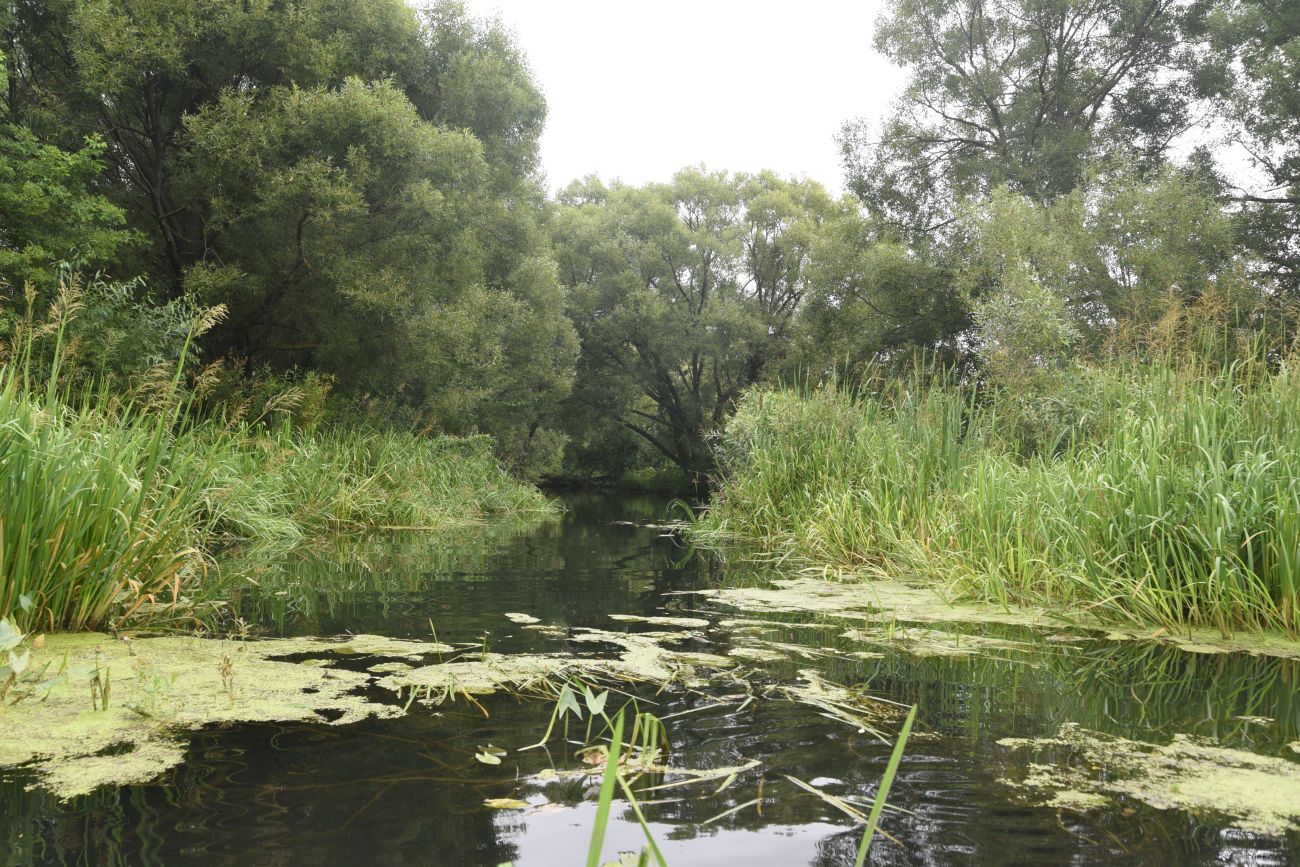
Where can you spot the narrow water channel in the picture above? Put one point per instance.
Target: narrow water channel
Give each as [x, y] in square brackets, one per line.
[410, 791]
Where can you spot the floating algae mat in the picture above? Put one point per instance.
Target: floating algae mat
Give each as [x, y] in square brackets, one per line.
[877, 599]
[1259, 793]
[115, 710]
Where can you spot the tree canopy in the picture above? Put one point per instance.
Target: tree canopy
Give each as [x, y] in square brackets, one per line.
[354, 180]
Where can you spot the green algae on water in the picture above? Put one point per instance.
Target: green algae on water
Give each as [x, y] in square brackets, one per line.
[680, 622]
[925, 641]
[884, 599]
[1258, 793]
[160, 687]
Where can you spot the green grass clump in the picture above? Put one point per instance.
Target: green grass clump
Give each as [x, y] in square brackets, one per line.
[90, 528]
[111, 504]
[1160, 493]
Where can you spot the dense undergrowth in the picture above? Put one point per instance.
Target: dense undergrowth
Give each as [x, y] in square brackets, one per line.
[1152, 492]
[112, 504]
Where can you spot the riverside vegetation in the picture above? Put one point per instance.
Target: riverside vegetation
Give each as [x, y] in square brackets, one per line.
[116, 504]
[1170, 499]
[278, 278]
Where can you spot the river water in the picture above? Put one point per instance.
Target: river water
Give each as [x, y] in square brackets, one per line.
[410, 791]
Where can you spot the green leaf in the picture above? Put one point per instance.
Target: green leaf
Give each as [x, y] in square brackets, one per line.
[10, 635]
[19, 663]
[596, 703]
[25, 602]
[488, 758]
[568, 703]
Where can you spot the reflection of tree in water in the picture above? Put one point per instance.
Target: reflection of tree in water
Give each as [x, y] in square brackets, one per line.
[568, 571]
[271, 795]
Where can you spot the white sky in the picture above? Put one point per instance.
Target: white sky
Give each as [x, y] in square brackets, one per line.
[638, 90]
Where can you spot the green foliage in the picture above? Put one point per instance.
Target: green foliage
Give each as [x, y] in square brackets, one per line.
[1018, 93]
[1250, 69]
[682, 294]
[49, 211]
[111, 500]
[1169, 497]
[872, 299]
[354, 181]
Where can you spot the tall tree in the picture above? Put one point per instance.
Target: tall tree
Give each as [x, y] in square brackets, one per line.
[1252, 69]
[682, 293]
[355, 180]
[1014, 92]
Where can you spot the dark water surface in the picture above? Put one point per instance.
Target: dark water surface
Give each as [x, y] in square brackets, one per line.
[409, 791]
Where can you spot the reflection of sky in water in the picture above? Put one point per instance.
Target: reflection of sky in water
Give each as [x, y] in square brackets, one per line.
[559, 838]
[409, 791]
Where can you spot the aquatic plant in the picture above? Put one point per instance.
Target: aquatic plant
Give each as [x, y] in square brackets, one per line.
[1168, 494]
[111, 504]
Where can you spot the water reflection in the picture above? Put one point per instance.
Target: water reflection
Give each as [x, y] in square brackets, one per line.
[408, 791]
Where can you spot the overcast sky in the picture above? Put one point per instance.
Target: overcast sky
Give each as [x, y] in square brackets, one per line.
[639, 90]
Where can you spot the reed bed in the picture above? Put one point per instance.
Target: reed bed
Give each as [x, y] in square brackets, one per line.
[112, 505]
[1161, 493]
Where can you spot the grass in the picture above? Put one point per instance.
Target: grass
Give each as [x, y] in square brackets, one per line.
[1152, 493]
[112, 505]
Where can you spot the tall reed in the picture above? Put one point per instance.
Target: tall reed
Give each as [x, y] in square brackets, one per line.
[111, 504]
[1168, 495]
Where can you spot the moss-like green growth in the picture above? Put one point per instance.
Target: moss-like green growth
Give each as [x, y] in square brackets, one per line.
[1258, 793]
[654, 620]
[884, 600]
[109, 710]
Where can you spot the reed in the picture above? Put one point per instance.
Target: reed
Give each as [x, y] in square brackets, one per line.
[112, 505]
[1155, 493]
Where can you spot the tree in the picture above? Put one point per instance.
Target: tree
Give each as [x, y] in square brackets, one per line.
[872, 300]
[682, 294]
[1048, 281]
[357, 183]
[49, 211]
[1251, 68]
[1014, 92]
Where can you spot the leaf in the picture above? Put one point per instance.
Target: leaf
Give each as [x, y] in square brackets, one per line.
[19, 663]
[493, 750]
[25, 602]
[487, 758]
[506, 804]
[568, 703]
[10, 636]
[596, 703]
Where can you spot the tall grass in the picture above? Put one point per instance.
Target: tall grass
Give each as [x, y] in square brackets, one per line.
[111, 505]
[1162, 493]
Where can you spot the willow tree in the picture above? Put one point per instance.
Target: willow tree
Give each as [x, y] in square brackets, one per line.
[682, 294]
[355, 180]
[1017, 93]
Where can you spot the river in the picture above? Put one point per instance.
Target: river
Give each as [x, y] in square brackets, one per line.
[410, 790]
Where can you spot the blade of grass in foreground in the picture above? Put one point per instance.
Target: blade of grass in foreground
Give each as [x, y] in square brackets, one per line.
[606, 794]
[885, 782]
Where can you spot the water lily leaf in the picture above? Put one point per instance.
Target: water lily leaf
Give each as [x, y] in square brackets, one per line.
[493, 750]
[506, 804]
[488, 758]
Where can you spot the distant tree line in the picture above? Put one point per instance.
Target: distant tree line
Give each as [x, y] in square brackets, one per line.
[358, 183]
